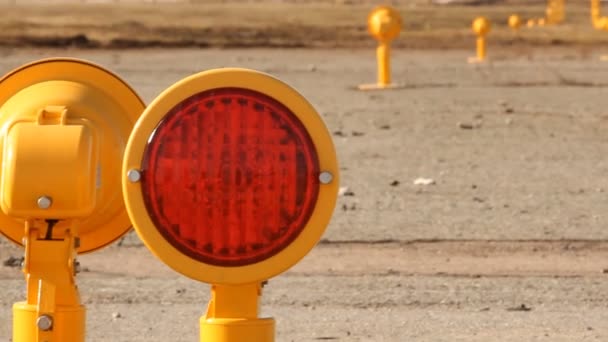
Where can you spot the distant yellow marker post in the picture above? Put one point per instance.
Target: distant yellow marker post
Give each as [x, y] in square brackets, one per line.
[514, 22]
[595, 12]
[555, 12]
[384, 23]
[481, 27]
[541, 21]
[598, 21]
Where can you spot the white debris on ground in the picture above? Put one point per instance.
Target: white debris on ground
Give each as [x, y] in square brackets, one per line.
[424, 181]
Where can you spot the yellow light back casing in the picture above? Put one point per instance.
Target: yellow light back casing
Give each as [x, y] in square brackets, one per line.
[481, 26]
[230, 78]
[105, 108]
[384, 23]
[53, 160]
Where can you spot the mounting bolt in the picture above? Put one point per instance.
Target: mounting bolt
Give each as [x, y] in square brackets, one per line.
[325, 177]
[134, 175]
[44, 322]
[44, 202]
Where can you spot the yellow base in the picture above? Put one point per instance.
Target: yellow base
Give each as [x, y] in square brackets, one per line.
[68, 324]
[237, 330]
[476, 60]
[379, 86]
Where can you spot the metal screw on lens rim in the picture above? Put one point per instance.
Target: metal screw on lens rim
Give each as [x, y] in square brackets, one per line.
[44, 322]
[325, 177]
[134, 175]
[44, 202]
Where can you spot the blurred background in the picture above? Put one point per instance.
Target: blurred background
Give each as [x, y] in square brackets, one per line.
[279, 23]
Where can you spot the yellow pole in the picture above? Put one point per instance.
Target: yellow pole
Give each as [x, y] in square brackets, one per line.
[595, 9]
[597, 20]
[561, 10]
[232, 316]
[555, 11]
[481, 48]
[52, 311]
[384, 63]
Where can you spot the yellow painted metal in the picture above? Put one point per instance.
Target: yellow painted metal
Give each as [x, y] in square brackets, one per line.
[481, 48]
[88, 98]
[384, 64]
[384, 23]
[234, 78]
[598, 21]
[555, 12]
[514, 22]
[70, 323]
[232, 315]
[601, 23]
[481, 27]
[596, 11]
[66, 149]
[49, 268]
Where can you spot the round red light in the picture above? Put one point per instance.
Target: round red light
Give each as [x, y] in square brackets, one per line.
[230, 177]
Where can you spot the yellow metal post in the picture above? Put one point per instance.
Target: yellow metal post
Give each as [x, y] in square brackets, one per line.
[595, 11]
[481, 48]
[232, 315]
[52, 311]
[384, 64]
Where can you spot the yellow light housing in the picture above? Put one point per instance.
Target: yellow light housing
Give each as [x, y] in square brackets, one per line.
[214, 83]
[64, 126]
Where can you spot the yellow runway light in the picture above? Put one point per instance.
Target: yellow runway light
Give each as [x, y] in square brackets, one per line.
[230, 177]
[384, 23]
[555, 12]
[598, 21]
[596, 11]
[514, 22]
[481, 27]
[64, 124]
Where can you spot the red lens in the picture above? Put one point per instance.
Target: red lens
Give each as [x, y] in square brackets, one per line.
[230, 177]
